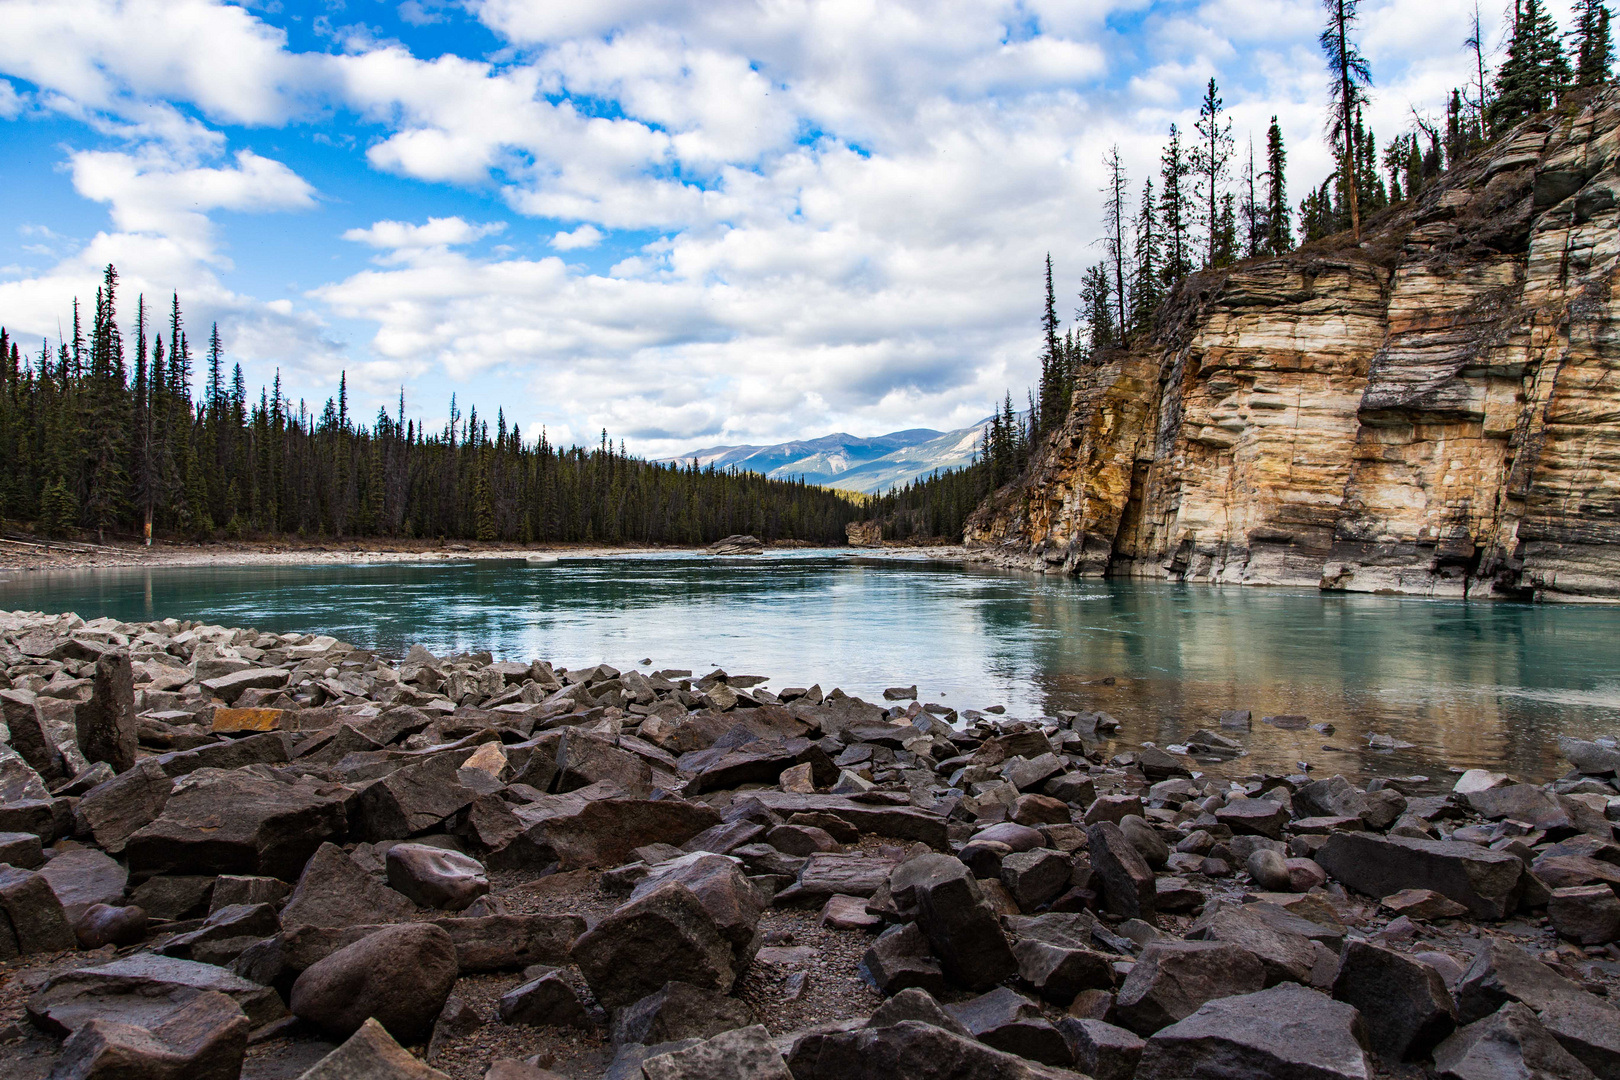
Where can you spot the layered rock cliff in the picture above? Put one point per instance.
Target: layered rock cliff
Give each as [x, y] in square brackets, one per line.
[1435, 411]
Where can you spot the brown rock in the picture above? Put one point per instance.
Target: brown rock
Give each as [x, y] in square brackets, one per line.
[399, 976]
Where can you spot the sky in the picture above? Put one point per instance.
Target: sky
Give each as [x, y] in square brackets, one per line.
[722, 222]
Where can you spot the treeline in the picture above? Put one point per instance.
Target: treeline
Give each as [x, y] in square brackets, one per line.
[931, 507]
[90, 441]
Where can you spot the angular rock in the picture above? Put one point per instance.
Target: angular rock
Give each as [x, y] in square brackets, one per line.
[434, 877]
[399, 976]
[960, 924]
[205, 1039]
[106, 723]
[1404, 1002]
[1254, 817]
[1285, 954]
[143, 990]
[1102, 1051]
[1173, 979]
[893, 822]
[1485, 882]
[1591, 758]
[81, 877]
[848, 913]
[1285, 1033]
[547, 1000]
[31, 735]
[414, 799]
[174, 896]
[238, 823]
[899, 960]
[1585, 914]
[583, 760]
[1501, 973]
[1508, 1043]
[743, 1054]
[802, 840]
[231, 889]
[34, 919]
[1125, 877]
[113, 811]
[603, 832]
[230, 687]
[224, 934]
[1589, 1029]
[334, 891]
[1059, 972]
[665, 935]
[826, 874]
[915, 1005]
[910, 1050]
[724, 891]
[678, 1011]
[1035, 877]
[1423, 904]
[22, 850]
[1011, 1022]
[371, 1054]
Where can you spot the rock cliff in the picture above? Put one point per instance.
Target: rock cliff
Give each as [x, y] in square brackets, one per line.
[1436, 411]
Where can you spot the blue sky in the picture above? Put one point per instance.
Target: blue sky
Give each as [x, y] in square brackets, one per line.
[726, 222]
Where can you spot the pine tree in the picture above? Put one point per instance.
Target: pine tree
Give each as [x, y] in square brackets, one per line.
[1173, 210]
[1114, 226]
[1052, 406]
[1250, 213]
[1347, 92]
[1226, 232]
[1279, 234]
[1534, 72]
[1594, 51]
[1211, 161]
[1097, 309]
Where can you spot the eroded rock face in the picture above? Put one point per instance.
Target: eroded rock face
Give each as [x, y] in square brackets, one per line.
[1417, 415]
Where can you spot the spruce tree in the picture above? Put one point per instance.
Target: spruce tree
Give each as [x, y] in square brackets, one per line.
[1096, 307]
[1211, 161]
[1594, 51]
[1250, 213]
[1173, 210]
[1534, 72]
[1050, 409]
[1279, 233]
[1146, 286]
[1347, 90]
[1114, 226]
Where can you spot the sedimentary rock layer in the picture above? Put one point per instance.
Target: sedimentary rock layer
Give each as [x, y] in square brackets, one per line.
[1434, 411]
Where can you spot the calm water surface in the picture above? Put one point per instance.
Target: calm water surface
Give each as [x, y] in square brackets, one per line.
[1485, 683]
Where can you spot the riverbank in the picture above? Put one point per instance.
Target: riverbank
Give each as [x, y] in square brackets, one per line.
[587, 870]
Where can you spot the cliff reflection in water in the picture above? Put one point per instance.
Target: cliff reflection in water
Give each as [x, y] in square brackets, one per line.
[1468, 683]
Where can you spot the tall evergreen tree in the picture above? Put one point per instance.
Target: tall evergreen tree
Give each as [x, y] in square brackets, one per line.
[1146, 283]
[1052, 406]
[1347, 91]
[1535, 70]
[1279, 234]
[1250, 213]
[1114, 226]
[1173, 210]
[1096, 307]
[1211, 162]
[1594, 50]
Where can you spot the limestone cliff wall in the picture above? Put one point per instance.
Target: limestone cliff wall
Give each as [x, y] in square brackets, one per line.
[1436, 411]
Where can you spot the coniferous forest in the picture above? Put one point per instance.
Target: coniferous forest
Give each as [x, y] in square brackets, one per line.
[102, 435]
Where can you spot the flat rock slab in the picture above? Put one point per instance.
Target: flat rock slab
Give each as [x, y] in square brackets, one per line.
[1285, 1033]
[143, 990]
[894, 822]
[910, 1050]
[603, 832]
[1485, 882]
[81, 877]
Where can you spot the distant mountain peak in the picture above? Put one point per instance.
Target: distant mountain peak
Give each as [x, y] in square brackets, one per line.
[842, 460]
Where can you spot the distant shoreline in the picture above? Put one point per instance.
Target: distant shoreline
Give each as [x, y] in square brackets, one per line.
[77, 555]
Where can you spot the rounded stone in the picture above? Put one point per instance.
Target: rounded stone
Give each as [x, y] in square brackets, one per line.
[104, 924]
[1269, 870]
[434, 877]
[399, 977]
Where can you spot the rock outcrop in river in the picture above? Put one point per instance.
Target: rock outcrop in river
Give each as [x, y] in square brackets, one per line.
[225, 852]
[1434, 412]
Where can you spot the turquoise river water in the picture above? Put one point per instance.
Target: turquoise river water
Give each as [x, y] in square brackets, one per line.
[1468, 683]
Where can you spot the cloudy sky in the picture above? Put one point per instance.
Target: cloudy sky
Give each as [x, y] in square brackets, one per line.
[723, 221]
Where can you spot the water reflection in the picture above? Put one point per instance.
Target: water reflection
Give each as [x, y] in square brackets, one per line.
[1469, 684]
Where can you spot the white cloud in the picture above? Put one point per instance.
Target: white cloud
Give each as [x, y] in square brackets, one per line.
[582, 238]
[11, 102]
[403, 241]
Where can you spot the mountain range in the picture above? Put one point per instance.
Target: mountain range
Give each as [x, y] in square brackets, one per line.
[845, 461]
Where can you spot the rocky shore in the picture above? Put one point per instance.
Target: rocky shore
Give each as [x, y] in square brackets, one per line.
[238, 854]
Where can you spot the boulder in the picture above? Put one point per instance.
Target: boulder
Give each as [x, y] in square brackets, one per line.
[584, 759]
[1269, 869]
[960, 924]
[1404, 1001]
[106, 723]
[1173, 979]
[1035, 877]
[1591, 758]
[22, 850]
[34, 920]
[31, 736]
[1126, 879]
[414, 799]
[826, 874]
[1589, 1029]
[892, 822]
[1510, 1042]
[103, 924]
[724, 891]
[801, 840]
[1058, 972]
[748, 1053]
[1486, 882]
[371, 1054]
[1285, 954]
[678, 1011]
[910, 1050]
[204, 1039]
[233, 685]
[666, 934]
[174, 896]
[81, 877]
[915, 1005]
[1285, 1033]
[1254, 817]
[603, 832]
[1585, 914]
[238, 822]
[1101, 1050]
[434, 877]
[547, 1000]
[334, 891]
[400, 976]
[143, 990]
[231, 889]
[1011, 1022]
[1502, 972]
[224, 934]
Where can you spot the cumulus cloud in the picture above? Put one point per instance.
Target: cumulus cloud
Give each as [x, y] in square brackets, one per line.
[580, 239]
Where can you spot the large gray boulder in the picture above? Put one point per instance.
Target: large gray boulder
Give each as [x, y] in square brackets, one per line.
[960, 924]
[1404, 1001]
[399, 976]
[1173, 979]
[1128, 885]
[106, 723]
[1510, 1042]
[1285, 1033]
[748, 1053]
[204, 1039]
[143, 990]
[33, 920]
[82, 877]
[1484, 881]
[664, 935]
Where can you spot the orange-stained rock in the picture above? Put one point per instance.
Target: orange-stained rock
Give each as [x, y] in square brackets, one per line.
[247, 719]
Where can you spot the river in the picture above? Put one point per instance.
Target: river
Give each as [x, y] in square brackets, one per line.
[1467, 683]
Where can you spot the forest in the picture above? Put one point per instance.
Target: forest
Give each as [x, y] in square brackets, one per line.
[104, 439]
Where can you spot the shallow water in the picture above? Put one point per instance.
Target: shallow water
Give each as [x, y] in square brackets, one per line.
[1483, 683]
